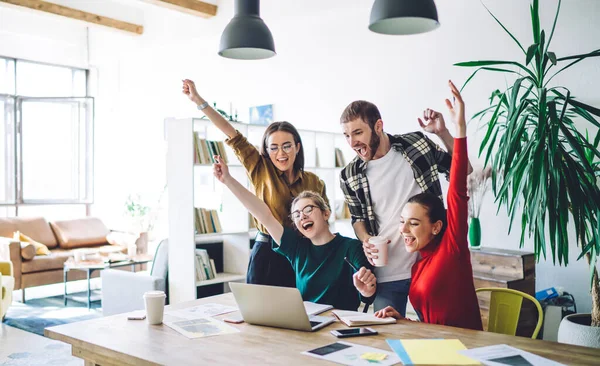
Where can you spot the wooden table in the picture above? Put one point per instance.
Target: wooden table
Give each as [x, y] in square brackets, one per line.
[114, 340]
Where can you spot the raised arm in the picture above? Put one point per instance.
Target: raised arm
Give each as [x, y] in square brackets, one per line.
[256, 207]
[189, 89]
[457, 191]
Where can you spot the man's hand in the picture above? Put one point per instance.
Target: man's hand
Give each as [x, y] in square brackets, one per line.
[365, 282]
[388, 312]
[434, 122]
[370, 251]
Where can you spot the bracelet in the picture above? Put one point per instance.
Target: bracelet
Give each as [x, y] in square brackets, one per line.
[202, 106]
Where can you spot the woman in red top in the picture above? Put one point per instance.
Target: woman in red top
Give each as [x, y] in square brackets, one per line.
[442, 290]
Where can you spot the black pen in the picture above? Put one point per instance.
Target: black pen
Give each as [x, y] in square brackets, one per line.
[352, 266]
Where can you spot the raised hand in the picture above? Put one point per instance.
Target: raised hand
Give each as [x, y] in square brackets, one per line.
[434, 122]
[457, 110]
[388, 312]
[365, 281]
[221, 170]
[189, 89]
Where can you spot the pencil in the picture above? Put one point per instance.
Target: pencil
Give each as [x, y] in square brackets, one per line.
[352, 266]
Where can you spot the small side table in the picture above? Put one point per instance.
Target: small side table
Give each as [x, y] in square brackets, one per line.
[90, 266]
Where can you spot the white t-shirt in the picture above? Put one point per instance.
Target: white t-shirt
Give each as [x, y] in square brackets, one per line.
[391, 184]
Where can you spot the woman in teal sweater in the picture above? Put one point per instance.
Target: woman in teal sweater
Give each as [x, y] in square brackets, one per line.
[316, 254]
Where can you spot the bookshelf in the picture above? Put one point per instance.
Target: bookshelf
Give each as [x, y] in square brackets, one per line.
[191, 185]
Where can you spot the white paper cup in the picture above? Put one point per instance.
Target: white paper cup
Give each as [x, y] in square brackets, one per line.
[155, 306]
[381, 245]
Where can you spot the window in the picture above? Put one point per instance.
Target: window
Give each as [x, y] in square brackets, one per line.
[46, 125]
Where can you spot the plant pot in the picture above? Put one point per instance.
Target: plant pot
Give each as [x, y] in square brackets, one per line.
[575, 329]
[474, 232]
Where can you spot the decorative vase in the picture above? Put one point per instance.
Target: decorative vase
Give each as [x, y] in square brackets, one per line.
[474, 233]
[576, 329]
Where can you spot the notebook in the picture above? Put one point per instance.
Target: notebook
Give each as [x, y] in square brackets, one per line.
[356, 319]
[419, 351]
[312, 308]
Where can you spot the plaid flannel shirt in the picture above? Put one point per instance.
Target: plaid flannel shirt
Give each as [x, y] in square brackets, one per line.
[426, 159]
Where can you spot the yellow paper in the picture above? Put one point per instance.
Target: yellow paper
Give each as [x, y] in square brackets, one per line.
[372, 356]
[436, 352]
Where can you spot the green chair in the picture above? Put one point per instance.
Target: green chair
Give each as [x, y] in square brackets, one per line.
[505, 308]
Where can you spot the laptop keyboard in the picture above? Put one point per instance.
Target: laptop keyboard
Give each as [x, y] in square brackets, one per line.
[313, 324]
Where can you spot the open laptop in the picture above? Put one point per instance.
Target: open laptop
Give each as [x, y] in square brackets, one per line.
[274, 306]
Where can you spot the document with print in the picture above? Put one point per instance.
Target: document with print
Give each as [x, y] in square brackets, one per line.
[200, 327]
[346, 353]
[202, 311]
[502, 355]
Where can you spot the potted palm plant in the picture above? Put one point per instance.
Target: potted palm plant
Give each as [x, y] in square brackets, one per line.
[543, 167]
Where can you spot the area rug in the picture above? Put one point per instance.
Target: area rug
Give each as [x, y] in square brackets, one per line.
[56, 353]
[37, 314]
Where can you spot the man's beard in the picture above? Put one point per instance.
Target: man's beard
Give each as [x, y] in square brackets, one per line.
[374, 143]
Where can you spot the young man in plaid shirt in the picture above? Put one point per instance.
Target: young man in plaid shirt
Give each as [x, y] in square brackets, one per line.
[388, 170]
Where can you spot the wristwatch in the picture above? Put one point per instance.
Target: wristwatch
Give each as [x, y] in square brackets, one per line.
[202, 106]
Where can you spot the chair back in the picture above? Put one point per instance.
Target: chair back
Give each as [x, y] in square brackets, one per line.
[160, 264]
[505, 309]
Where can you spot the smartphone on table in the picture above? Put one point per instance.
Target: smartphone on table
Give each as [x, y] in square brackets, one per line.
[353, 332]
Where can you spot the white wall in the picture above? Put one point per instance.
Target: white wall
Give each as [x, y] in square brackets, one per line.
[326, 58]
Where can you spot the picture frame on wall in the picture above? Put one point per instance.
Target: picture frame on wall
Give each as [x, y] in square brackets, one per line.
[261, 115]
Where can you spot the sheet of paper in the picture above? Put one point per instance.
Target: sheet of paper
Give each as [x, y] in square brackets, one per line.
[419, 351]
[346, 353]
[200, 327]
[502, 355]
[202, 311]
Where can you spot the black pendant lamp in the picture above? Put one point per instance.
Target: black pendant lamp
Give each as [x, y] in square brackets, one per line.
[403, 17]
[247, 37]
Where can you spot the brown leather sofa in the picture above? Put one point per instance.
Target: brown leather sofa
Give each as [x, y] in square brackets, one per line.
[62, 238]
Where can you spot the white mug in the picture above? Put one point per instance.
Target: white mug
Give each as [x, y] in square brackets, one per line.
[154, 302]
[381, 244]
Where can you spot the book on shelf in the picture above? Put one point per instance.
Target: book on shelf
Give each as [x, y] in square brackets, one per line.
[317, 162]
[206, 221]
[357, 319]
[205, 270]
[340, 162]
[205, 150]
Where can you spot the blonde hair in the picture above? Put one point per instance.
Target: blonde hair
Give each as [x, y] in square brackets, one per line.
[313, 196]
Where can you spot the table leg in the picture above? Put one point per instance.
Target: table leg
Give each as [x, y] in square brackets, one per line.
[65, 283]
[89, 289]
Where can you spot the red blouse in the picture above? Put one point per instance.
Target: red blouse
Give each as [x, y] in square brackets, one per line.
[442, 289]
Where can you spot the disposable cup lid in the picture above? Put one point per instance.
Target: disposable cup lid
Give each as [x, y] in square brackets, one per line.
[154, 294]
[377, 240]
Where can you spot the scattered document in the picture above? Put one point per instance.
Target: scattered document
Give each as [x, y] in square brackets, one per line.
[312, 308]
[430, 351]
[202, 311]
[200, 327]
[501, 355]
[346, 353]
[356, 319]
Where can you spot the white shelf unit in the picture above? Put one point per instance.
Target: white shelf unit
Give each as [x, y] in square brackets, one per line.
[193, 185]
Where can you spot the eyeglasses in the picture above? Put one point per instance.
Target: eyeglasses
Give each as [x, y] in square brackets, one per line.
[307, 211]
[287, 148]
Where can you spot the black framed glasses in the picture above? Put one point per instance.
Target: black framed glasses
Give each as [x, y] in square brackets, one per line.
[287, 148]
[307, 211]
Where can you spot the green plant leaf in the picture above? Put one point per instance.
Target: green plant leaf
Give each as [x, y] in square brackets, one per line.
[503, 27]
[553, 26]
[495, 62]
[535, 21]
[530, 53]
[552, 57]
[487, 69]
[595, 53]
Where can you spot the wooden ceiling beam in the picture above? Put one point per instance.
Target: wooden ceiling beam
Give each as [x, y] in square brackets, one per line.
[194, 7]
[77, 14]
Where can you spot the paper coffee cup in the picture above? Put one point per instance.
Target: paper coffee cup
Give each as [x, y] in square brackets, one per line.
[155, 306]
[381, 245]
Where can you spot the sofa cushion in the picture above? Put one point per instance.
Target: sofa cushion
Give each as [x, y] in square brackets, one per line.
[59, 256]
[27, 251]
[36, 228]
[80, 233]
[40, 249]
